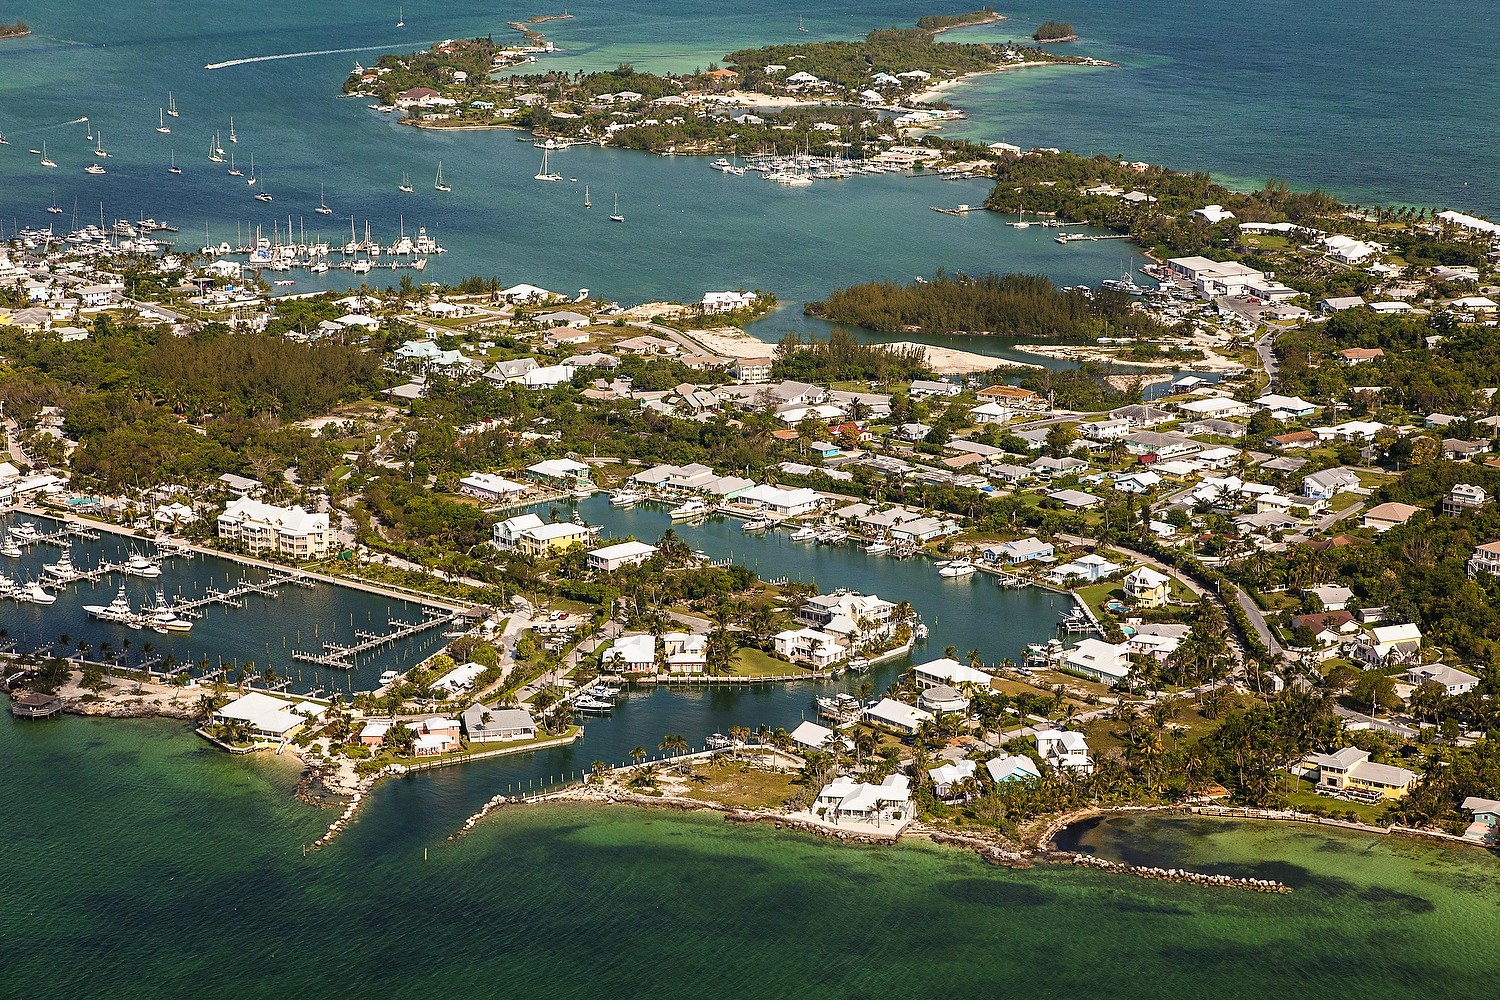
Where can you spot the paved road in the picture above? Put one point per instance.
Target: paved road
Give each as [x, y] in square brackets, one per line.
[1266, 348]
[1258, 622]
[12, 432]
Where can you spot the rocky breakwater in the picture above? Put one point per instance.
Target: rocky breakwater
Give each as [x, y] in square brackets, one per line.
[1170, 874]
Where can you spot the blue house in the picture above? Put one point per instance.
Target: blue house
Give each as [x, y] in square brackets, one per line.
[823, 449]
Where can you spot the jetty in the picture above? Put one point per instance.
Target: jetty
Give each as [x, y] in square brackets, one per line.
[337, 656]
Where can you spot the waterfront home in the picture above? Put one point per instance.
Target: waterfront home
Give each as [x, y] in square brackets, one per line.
[1384, 645]
[1349, 770]
[948, 672]
[507, 534]
[887, 804]
[1486, 559]
[946, 777]
[1090, 567]
[374, 732]
[819, 648]
[493, 724]
[1146, 588]
[460, 678]
[1106, 662]
[437, 735]
[723, 302]
[267, 717]
[1012, 768]
[782, 501]
[612, 557]
[1063, 749]
[486, 486]
[288, 531]
[631, 654]
[942, 699]
[1386, 516]
[1486, 824]
[548, 539]
[563, 473]
[1453, 681]
[686, 652]
[1019, 551]
[811, 736]
[896, 715]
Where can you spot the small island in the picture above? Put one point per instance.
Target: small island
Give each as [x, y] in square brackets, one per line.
[17, 30]
[1054, 31]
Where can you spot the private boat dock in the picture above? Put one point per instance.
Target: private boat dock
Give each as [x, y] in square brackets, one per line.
[33, 705]
[339, 657]
[231, 598]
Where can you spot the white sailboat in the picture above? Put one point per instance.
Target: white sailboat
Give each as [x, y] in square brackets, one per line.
[264, 195]
[800, 26]
[586, 202]
[617, 217]
[46, 162]
[322, 208]
[99, 145]
[405, 183]
[174, 168]
[161, 125]
[218, 145]
[438, 184]
[55, 209]
[214, 153]
[233, 170]
[545, 174]
[172, 105]
[401, 17]
[232, 136]
[251, 179]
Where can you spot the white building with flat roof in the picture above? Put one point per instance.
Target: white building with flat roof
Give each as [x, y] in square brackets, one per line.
[612, 557]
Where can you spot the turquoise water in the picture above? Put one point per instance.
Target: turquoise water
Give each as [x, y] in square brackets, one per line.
[142, 864]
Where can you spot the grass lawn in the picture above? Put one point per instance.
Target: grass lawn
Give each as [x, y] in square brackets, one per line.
[752, 662]
[1098, 593]
[738, 785]
[1343, 501]
[1308, 800]
[1372, 480]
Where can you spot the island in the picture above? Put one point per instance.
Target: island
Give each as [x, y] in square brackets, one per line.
[1054, 31]
[17, 30]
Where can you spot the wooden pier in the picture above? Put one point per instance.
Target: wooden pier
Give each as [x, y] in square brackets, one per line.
[340, 657]
[32, 705]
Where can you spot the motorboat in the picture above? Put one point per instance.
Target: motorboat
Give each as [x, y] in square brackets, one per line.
[758, 524]
[805, 533]
[164, 619]
[388, 677]
[626, 498]
[139, 565]
[877, 549]
[590, 705]
[36, 595]
[63, 569]
[118, 610]
[25, 532]
[692, 508]
[718, 741]
[9, 547]
[958, 567]
[93, 168]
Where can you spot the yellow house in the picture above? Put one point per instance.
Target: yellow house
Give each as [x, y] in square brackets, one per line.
[1350, 770]
[1146, 588]
[547, 539]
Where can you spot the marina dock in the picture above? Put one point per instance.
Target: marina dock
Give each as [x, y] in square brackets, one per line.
[336, 656]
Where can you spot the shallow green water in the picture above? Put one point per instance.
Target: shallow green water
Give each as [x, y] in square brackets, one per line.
[140, 863]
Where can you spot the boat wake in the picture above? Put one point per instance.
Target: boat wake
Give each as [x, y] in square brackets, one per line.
[294, 55]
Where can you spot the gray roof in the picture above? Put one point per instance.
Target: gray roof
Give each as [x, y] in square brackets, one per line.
[500, 719]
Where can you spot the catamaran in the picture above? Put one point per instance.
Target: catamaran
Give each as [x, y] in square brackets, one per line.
[233, 170]
[546, 174]
[401, 17]
[55, 209]
[617, 217]
[405, 183]
[161, 125]
[264, 195]
[171, 105]
[322, 208]
[438, 184]
[174, 168]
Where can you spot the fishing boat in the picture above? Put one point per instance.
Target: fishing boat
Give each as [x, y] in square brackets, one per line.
[617, 217]
[118, 610]
[958, 567]
[758, 524]
[877, 549]
[93, 168]
[586, 202]
[233, 170]
[405, 184]
[692, 508]
[36, 595]
[63, 569]
[545, 173]
[438, 184]
[162, 126]
[626, 498]
[9, 547]
[232, 136]
[139, 565]
[46, 162]
[172, 105]
[805, 533]
[174, 168]
[718, 741]
[322, 208]
[163, 618]
[55, 209]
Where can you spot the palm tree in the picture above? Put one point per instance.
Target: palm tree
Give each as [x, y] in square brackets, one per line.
[638, 754]
[975, 660]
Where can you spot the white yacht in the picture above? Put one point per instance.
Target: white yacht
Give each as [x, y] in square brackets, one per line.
[546, 174]
[760, 523]
[25, 531]
[877, 549]
[36, 595]
[139, 565]
[626, 498]
[118, 610]
[9, 547]
[958, 567]
[692, 508]
[163, 618]
[63, 569]
[805, 533]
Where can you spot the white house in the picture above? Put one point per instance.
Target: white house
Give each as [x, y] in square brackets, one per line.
[991, 413]
[723, 302]
[811, 736]
[1385, 644]
[896, 715]
[559, 471]
[782, 501]
[820, 648]
[549, 377]
[949, 673]
[1012, 768]
[290, 531]
[1062, 749]
[1106, 662]
[887, 805]
[946, 776]
[267, 718]
[1453, 681]
[612, 557]
[487, 486]
[633, 653]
